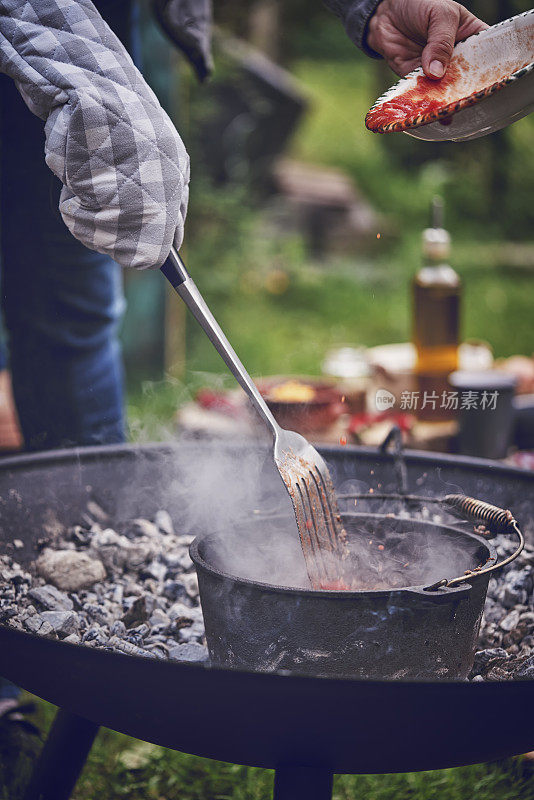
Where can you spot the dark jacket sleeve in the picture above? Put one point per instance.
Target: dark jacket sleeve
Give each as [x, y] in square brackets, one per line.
[355, 15]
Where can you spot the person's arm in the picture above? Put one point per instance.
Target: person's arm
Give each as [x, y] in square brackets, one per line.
[187, 23]
[355, 16]
[124, 168]
[408, 33]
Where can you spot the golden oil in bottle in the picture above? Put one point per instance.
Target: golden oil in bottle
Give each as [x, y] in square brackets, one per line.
[436, 314]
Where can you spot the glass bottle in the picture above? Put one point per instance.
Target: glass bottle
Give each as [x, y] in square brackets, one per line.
[436, 317]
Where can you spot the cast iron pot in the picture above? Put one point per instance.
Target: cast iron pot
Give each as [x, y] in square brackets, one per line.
[407, 632]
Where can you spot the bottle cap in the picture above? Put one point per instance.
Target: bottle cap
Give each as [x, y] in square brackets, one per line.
[437, 240]
[436, 244]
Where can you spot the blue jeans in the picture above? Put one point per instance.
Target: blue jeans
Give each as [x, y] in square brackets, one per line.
[62, 303]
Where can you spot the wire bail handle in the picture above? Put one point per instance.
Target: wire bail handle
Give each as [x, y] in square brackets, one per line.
[495, 520]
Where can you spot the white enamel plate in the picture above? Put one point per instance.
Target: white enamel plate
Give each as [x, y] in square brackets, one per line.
[488, 85]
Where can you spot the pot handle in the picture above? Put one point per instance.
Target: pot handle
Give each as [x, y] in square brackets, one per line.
[483, 513]
[436, 594]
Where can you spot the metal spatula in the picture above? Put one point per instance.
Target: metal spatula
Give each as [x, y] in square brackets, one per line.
[301, 468]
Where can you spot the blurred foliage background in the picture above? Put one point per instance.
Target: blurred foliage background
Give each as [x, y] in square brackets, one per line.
[281, 302]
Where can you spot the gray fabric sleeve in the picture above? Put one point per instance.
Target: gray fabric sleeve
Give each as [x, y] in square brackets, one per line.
[124, 168]
[355, 15]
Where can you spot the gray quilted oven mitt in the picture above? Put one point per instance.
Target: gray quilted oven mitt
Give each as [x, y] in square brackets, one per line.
[124, 168]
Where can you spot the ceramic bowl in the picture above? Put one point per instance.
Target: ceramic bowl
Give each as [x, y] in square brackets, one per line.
[316, 413]
[488, 85]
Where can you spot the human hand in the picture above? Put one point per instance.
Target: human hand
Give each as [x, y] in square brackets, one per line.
[414, 33]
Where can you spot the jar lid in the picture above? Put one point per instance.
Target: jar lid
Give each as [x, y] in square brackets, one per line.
[483, 380]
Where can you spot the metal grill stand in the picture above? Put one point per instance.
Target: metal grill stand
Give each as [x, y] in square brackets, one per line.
[62, 758]
[292, 782]
[99, 684]
[69, 743]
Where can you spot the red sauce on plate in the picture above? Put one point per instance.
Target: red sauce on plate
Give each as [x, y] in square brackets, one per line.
[427, 97]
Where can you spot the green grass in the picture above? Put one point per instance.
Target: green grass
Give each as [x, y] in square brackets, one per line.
[361, 302]
[121, 767]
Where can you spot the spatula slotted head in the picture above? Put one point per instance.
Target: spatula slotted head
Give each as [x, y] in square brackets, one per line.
[311, 490]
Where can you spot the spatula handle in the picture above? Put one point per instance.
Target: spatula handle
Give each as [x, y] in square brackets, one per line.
[177, 275]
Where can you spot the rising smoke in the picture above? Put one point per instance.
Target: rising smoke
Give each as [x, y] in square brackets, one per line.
[235, 495]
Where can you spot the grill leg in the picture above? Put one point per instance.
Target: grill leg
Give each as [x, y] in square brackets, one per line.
[293, 782]
[62, 758]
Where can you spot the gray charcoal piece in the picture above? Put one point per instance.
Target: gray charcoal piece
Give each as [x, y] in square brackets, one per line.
[178, 560]
[159, 618]
[95, 635]
[118, 628]
[526, 669]
[157, 638]
[163, 521]
[141, 630]
[80, 536]
[174, 590]
[517, 588]
[493, 611]
[194, 633]
[130, 649]
[108, 537]
[140, 610]
[96, 612]
[35, 624]
[51, 598]
[133, 588]
[191, 584]
[179, 611]
[158, 650]
[155, 570]
[63, 622]
[118, 593]
[141, 527]
[138, 554]
[189, 652]
[483, 657]
[74, 638]
[69, 570]
[8, 613]
[185, 541]
[510, 620]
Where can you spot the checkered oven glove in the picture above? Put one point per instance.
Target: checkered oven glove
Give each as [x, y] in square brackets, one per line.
[124, 168]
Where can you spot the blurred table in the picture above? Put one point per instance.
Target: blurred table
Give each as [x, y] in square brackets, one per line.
[229, 415]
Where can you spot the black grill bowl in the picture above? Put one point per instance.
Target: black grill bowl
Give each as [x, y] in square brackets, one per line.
[259, 719]
[398, 633]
